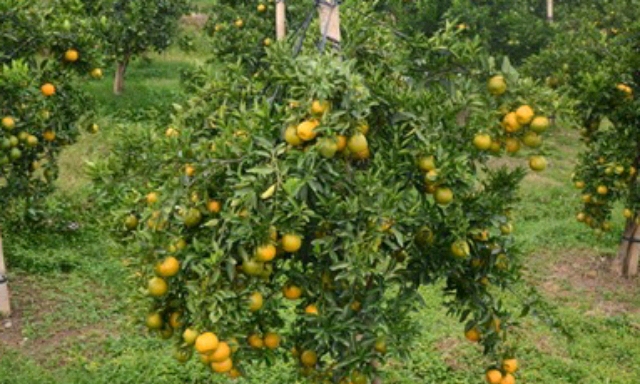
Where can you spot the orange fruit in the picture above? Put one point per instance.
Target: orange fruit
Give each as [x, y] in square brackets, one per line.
[427, 163]
[189, 336]
[510, 122]
[494, 376]
[175, 320]
[512, 145]
[49, 135]
[239, 23]
[602, 190]
[319, 107]
[540, 124]
[357, 143]
[443, 195]
[363, 127]
[168, 267]
[271, 340]
[311, 309]
[154, 321]
[255, 301]
[306, 130]
[189, 170]
[291, 243]
[221, 353]
[341, 142]
[460, 248]
[309, 358]
[482, 141]
[234, 373]
[71, 55]
[497, 85]
[291, 136]
[291, 291]
[8, 123]
[206, 343]
[510, 365]
[96, 73]
[157, 287]
[381, 345]
[266, 252]
[256, 341]
[48, 89]
[214, 206]
[262, 7]
[152, 198]
[472, 335]
[508, 379]
[222, 366]
[537, 163]
[524, 114]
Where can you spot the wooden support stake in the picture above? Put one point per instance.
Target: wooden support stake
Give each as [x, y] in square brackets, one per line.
[329, 12]
[550, 10]
[5, 308]
[633, 257]
[618, 265]
[281, 16]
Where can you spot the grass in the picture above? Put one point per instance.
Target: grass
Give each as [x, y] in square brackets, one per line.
[74, 324]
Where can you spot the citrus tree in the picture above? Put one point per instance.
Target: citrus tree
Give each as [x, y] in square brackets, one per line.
[130, 28]
[42, 52]
[599, 70]
[294, 214]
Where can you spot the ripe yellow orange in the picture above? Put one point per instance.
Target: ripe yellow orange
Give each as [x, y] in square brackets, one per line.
[222, 366]
[497, 85]
[189, 170]
[267, 42]
[255, 301]
[482, 141]
[262, 8]
[540, 124]
[308, 358]
[96, 73]
[71, 55]
[512, 145]
[508, 379]
[291, 242]
[510, 122]
[157, 287]
[152, 198]
[362, 155]
[363, 127]
[532, 140]
[443, 195]
[510, 365]
[32, 141]
[524, 114]
[8, 123]
[189, 336]
[291, 136]
[506, 228]
[357, 143]
[49, 135]
[494, 376]
[271, 340]
[627, 213]
[154, 321]
[266, 252]
[472, 335]
[175, 320]
[495, 146]
[171, 132]
[214, 206]
[291, 291]
[206, 343]
[341, 142]
[306, 130]
[311, 309]
[48, 89]
[319, 107]
[580, 184]
[256, 341]
[221, 353]
[239, 23]
[602, 190]
[537, 163]
[168, 267]
[381, 345]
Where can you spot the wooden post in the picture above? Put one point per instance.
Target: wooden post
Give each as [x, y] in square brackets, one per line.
[329, 12]
[550, 10]
[5, 308]
[281, 28]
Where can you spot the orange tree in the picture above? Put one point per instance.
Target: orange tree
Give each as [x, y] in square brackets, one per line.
[599, 62]
[42, 50]
[130, 28]
[294, 214]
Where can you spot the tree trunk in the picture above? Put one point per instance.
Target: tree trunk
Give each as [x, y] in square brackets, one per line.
[550, 10]
[281, 29]
[5, 308]
[329, 12]
[626, 263]
[118, 81]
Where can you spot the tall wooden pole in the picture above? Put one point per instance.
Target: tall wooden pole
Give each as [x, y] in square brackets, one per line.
[329, 12]
[5, 308]
[550, 10]
[281, 16]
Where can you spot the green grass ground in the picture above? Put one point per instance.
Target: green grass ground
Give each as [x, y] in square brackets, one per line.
[71, 290]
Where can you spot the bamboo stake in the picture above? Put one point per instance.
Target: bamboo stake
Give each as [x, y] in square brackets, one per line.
[5, 308]
[618, 266]
[329, 12]
[281, 28]
[633, 257]
[550, 10]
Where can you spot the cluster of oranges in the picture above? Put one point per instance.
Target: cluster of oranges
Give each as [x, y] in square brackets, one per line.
[304, 134]
[504, 375]
[521, 126]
